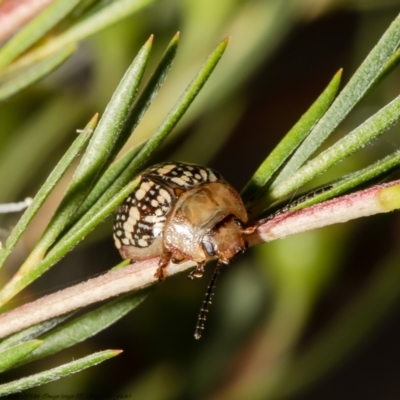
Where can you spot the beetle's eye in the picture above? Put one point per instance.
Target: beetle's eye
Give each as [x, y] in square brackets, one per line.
[238, 222]
[209, 248]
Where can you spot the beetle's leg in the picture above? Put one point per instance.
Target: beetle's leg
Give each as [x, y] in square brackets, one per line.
[164, 261]
[198, 271]
[250, 229]
[177, 258]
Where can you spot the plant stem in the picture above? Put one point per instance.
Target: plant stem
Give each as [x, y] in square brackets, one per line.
[374, 200]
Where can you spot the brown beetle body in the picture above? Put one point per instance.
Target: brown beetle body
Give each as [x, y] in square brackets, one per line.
[181, 212]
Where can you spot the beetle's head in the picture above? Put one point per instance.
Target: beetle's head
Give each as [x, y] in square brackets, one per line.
[225, 240]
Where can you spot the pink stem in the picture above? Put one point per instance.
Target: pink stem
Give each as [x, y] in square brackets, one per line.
[141, 274]
[15, 13]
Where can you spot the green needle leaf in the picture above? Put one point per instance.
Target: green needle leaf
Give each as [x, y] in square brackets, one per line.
[368, 72]
[97, 155]
[149, 92]
[34, 73]
[100, 147]
[389, 67]
[75, 235]
[107, 179]
[355, 140]
[86, 326]
[12, 355]
[353, 180]
[292, 139]
[35, 29]
[105, 205]
[57, 373]
[176, 113]
[47, 188]
[92, 216]
[139, 109]
[108, 131]
[33, 331]
[101, 19]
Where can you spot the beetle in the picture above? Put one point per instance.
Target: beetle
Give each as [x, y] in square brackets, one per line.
[180, 212]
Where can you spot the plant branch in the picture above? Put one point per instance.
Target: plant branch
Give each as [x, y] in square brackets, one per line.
[377, 199]
[14, 14]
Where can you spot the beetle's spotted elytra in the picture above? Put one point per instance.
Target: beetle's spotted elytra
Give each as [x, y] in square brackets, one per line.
[182, 212]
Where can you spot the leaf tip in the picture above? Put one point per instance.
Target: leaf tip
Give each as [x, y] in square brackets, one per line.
[94, 120]
[339, 73]
[226, 40]
[115, 352]
[175, 40]
[91, 125]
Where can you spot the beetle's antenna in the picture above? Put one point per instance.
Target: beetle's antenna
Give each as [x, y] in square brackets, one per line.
[201, 319]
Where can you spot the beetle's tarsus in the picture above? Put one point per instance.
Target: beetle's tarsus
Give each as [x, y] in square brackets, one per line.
[162, 264]
[198, 271]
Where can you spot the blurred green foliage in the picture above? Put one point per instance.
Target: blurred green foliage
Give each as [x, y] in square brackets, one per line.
[277, 311]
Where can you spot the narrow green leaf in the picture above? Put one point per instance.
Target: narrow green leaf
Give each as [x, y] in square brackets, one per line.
[175, 114]
[28, 150]
[76, 234]
[355, 90]
[389, 67]
[149, 92]
[34, 73]
[57, 373]
[291, 140]
[170, 120]
[12, 355]
[35, 29]
[33, 332]
[135, 116]
[102, 208]
[107, 179]
[97, 155]
[353, 180]
[86, 326]
[47, 188]
[122, 264]
[110, 14]
[110, 125]
[114, 195]
[355, 140]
